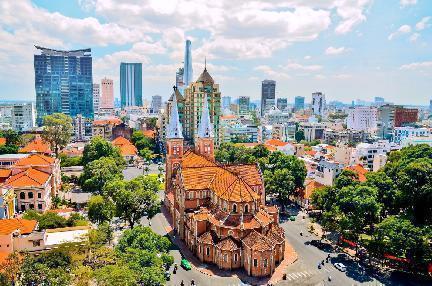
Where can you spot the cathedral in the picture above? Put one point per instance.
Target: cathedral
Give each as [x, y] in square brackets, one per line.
[219, 210]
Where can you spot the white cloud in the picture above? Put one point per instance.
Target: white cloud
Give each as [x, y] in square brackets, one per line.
[297, 66]
[404, 3]
[267, 70]
[320, 76]
[404, 29]
[307, 57]
[342, 76]
[351, 12]
[335, 51]
[423, 24]
[417, 66]
[413, 38]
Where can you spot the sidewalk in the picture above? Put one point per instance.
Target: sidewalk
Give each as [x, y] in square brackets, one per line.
[290, 256]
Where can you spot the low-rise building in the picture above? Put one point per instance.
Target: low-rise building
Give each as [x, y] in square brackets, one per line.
[104, 127]
[313, 131]
[127, 149]
[37, 146]
[400, 133]
[331, 136]
[416, 141]
[7, 202]
[327, 171]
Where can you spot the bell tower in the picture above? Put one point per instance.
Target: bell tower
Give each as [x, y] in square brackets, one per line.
[174, 143]
[205, 141]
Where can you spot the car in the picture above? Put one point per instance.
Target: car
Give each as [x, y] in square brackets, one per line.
[185, 264]
[340, 266]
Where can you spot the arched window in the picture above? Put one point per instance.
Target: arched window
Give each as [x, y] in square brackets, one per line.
[191, 195]
[234, 208]
[22, 195]
[30, 195]
[246, 208]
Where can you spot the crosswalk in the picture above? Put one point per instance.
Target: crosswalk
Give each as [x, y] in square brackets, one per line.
[309, 273]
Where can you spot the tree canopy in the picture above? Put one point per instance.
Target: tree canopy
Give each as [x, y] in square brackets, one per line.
[98, 172]
[57, 130]
[98, 148]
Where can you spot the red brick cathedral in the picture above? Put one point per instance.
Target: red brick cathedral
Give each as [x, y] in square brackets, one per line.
[219, 210]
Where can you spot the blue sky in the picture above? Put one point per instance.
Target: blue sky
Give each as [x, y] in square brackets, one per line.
[348, 49]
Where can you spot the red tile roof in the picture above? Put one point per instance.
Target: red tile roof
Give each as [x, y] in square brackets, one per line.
[113, 121]
[310, 187]
[2, 141]
[257, 242]
[25, 226]
[228, 244]
[359, 170]
[37, 146]
[35, 160]
[28, 178]
[276, 142]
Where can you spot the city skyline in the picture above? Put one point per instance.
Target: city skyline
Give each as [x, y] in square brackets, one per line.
[344, 50]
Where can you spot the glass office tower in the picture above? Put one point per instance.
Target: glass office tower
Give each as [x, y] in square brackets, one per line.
[63, 82]
[131, 84]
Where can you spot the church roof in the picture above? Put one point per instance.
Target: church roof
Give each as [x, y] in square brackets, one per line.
[205, 128]
[174, 128]
[205, 78]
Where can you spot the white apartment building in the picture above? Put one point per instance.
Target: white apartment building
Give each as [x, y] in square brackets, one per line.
[79, 127]
[362, 118]
[96, 98]
[400, 133]
[18, 116]
[365, 153]
[319, 105]
[327, 171]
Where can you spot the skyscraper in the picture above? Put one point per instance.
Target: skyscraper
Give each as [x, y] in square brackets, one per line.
[131, 84]
[299, 103]
[179, 78]
[63, 82]
[187, 69]
[107, 98]
[319, 105]
[268, 94]
[226, 102]
[282, 103]
[96, 98]
[244, 102]
[156, 103]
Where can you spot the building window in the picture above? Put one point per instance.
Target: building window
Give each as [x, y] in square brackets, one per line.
[39, 195]
[265, 262]
[31, 206]
[208, 251]
[225, 258]
[235, 257]
[234, 208]
[36, 243]
[200, 249]
[22, 195]
[39, 206]
[246, 208]
[30, 195]
[191, 195]
[255, 262]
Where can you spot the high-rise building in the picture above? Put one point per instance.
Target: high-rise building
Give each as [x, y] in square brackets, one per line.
[299, 103]
[23, 116]
[63, 82]
[282, 103]
[405, 116]
[179, 78]
[430, 105]
[107, 97]
[362, 118]
[187, 69]
[156, 103]
[194, 97]
[226, 102]
[319, 106]
[244, 102]
[268, 94]
[379, 100]
[131, 84]
[96, 98]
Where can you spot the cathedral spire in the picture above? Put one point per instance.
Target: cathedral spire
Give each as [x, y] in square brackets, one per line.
[205, 129]
[174, 129]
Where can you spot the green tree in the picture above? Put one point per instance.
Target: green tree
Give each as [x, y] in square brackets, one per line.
[146, 154]
[136, 198]
[47, 220]
[143, 238]
[115, 275]
[388, 195]
[100, 209]
[98, 148]
[98, 172]
[299, 135]
[66, 161]
[277, 161]
[57, 130]
[151, 123]
[346, 178]
[280, 183]
[401, 238]
[102, 235]
[415, 184]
